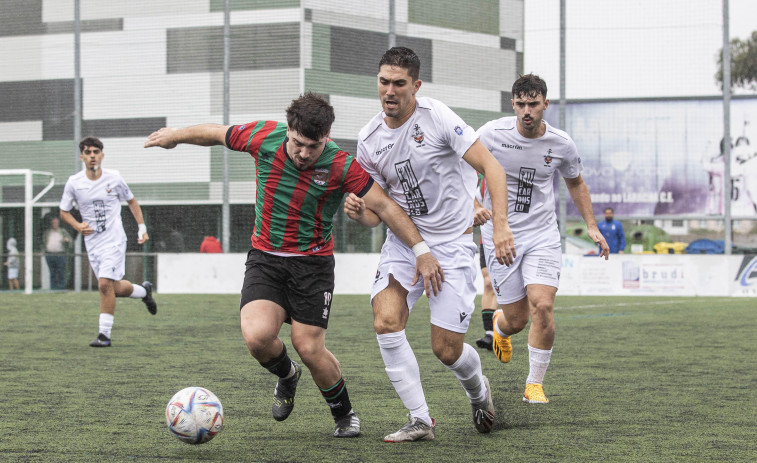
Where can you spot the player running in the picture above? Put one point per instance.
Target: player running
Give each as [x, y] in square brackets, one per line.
[422, 152]
[532, 152]
[98, 193]
[301, 178]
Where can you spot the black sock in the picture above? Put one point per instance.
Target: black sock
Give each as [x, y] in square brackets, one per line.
[337, 399]
[486, 316]
[280, 366]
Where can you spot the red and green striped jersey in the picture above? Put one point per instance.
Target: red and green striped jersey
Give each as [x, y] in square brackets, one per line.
[294, 209]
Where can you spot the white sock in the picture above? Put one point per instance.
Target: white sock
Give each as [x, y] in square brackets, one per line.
[499, 331]
[139, 292]
[292, 371]
[489, 332]
[106, 323]
[467, 369]
[538, 360]
[404, 373]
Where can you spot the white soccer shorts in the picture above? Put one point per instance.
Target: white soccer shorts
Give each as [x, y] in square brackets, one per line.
[535, 264]
[453, 307]
[108, 261]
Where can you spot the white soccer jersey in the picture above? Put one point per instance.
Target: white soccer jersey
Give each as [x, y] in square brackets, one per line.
[530, 164]
[99, 203]
[421, 166]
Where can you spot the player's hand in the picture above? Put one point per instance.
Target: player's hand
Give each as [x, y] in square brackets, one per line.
[354, 207]
[504, 244]
[481, 215]
[143, 238]
[597, 237]
[429, 269]
[84, 229]
[163, 138]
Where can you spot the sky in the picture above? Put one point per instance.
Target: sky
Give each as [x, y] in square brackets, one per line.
[632, 48]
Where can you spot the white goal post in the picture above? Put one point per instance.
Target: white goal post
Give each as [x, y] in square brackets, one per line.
[29, 200]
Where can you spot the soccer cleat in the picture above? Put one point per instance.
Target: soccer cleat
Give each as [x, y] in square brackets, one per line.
[485, 342]
[414, 429]
[100, 341]
[534, 394]
[152, 306]
[283, 395]
[501, 345]
[483, 412]
[347, 426]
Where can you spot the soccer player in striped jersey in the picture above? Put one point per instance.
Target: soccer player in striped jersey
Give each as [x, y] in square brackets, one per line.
[426, 156]
[301, 178]
[532, 153]
[98, 193]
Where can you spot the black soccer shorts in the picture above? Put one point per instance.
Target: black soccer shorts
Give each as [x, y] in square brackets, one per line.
[302, 285]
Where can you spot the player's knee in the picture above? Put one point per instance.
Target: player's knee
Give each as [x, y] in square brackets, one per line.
[308, 350]
[447, 354]
[105, 286]
[541, 308]
[257, 342]
[384, 325]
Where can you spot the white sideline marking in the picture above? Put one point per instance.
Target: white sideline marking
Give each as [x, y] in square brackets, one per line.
[629, 304]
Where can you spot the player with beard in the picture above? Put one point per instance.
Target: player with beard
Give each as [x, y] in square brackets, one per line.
[301, 178]
[426, 156]
[532, 153]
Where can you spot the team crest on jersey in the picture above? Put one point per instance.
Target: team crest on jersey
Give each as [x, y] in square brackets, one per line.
[321, 176]
[548, 158]
[107, 188]
[418, 134]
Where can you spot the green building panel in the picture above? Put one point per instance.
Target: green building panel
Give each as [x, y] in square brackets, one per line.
[340, 84]
[476, 117]
[481, 16]
[218, 5]
[321, 47]
[187, 192]
[56, 157]
[241, 166]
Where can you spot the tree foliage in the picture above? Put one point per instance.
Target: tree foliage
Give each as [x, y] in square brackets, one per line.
[743, 63]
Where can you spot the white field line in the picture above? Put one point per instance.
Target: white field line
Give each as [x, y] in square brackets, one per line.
[632, 304]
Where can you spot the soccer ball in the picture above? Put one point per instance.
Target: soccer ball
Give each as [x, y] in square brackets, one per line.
[194, 415]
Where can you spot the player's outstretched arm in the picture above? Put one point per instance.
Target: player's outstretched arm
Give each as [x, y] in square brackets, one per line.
[427, 267]
[579, 192]
[202, 135]
[496, 182]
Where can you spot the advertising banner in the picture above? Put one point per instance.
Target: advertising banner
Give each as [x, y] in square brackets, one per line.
[664, 157]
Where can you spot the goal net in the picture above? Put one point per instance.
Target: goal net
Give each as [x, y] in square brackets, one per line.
[21, 190]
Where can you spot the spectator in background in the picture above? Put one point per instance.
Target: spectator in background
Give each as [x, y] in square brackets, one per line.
[613, 232]
[12, 264]
[57, 241]
[210, 245]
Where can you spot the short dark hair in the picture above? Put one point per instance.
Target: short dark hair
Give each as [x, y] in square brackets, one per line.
[529, 85]
[90, 141]
[609, 209]
[404, 58]
[310, 115]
